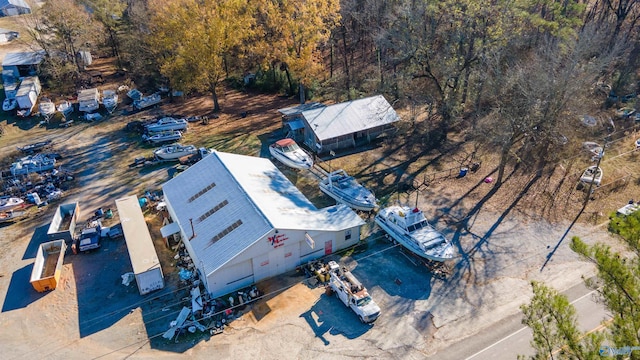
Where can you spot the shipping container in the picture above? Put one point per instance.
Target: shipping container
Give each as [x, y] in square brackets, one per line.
[144, 259]
[63, 224]
[48, 266]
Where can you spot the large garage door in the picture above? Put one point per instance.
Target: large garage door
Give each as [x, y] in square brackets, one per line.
[238, 275]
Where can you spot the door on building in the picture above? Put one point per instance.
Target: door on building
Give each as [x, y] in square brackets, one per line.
[291, 256]
[276, 261]
[328, 248]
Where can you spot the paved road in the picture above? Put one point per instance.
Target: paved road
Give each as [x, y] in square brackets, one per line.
[509, 338]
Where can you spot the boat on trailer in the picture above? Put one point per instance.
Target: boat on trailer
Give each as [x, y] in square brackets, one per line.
[110, 100]
[175, 151]
[164, 136]
[8, 203]
[46, 107]
[167, 123]
[289, 153]
[65, 107]
[11, 215]
[593, 174]
[410, 228]
[344, 189]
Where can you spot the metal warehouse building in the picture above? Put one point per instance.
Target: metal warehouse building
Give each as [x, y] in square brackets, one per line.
[243, 221]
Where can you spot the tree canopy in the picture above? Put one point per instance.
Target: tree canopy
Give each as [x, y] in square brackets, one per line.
[553, 319]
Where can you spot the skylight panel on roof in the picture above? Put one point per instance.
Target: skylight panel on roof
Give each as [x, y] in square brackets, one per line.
[213, 210]
[224, 232]
[201, 192]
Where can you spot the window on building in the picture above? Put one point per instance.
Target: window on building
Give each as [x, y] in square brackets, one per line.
[347, 234]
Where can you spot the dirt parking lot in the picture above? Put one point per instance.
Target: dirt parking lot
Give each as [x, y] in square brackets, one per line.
[92, 315]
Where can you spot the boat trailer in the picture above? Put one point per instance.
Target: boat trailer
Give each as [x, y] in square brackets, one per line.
[439, 270]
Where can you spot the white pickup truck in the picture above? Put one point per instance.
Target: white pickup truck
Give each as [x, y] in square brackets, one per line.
[355, 296]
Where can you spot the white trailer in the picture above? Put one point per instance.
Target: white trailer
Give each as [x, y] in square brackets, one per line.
[146, 266]
[352, 293]
[88, 100]
[28, 92]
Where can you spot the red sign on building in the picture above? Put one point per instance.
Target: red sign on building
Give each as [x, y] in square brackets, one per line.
[277, 240]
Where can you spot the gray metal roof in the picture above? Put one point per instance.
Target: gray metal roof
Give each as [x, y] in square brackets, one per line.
[256, 193]
[180, 190]
[298, 109]
[23, 58]
[350, 117]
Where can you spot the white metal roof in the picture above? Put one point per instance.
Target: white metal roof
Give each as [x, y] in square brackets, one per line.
[136, 233]
[256, 193]
[23, 58]
[350, 117]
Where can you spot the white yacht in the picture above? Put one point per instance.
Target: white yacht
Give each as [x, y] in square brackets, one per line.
[410, 228]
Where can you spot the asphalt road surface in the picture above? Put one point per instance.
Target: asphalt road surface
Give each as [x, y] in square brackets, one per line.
[509, 338]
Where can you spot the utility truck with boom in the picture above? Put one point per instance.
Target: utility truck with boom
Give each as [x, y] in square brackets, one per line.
[355, 296]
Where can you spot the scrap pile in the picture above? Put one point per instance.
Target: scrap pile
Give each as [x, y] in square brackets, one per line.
[201, 312]
[38, 188]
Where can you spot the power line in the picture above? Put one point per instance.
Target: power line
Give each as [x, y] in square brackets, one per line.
[371, 238]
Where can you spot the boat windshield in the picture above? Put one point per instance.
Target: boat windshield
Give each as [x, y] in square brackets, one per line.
[364, 301]
[291, 147]
[418, 225]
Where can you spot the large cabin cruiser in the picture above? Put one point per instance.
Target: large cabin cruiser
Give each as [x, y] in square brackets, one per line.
[410, 228]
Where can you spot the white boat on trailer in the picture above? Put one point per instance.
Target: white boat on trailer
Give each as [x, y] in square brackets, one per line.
[164, 136]
[65, 107]
[11, 215]
[175, 151]
[110, 100]
[167, 123]
[410, 228]
[8, 203]
[344, 189]
[592, 174]
[289, 153]
[47, 107]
